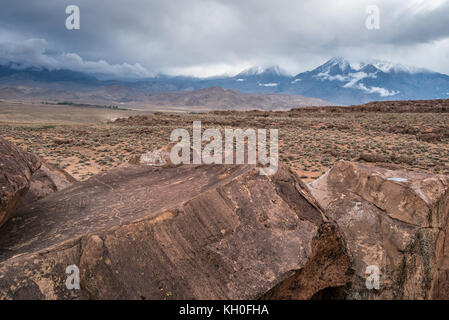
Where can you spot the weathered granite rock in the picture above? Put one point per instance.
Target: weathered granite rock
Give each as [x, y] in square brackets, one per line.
[180, 232]
[16, 169]
[394, 220]
[48, 179]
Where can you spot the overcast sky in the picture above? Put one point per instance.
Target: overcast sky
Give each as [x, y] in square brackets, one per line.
[137, 38]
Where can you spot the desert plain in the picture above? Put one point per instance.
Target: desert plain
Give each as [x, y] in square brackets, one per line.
[86, 140]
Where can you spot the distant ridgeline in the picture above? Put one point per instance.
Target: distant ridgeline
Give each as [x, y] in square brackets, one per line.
[337, 81]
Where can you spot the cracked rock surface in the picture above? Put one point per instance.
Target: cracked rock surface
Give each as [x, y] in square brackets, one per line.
[394, 220]
[180, 232]
[145, 231]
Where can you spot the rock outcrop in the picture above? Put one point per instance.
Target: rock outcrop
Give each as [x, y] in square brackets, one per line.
[45, 181]
[153, 230]
[178, 232]
[394, 222]
[16, 169]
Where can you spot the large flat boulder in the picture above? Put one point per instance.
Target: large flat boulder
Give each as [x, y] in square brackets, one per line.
[16, 169]
[178, 232]
[394, 220]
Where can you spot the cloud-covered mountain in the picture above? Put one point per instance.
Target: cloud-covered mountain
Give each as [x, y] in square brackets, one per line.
[341, 82]
[11, 75]
[337, 81]
[35, 54]
[252, 80]
[260, 72]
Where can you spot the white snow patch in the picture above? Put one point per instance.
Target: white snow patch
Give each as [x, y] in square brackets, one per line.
[351, 78]
[356, 77]
[381, 91]
[325, 76]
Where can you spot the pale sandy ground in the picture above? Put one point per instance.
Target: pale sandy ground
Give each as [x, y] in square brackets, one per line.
[22, 112]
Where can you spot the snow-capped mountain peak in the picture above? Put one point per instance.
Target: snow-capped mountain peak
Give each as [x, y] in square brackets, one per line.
[343, 81]
[388, 67]
[251, 71]
[339, 65]
[336, 64]
[258, 70]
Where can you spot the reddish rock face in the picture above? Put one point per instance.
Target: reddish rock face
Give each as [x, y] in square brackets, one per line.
[16, 169]
[142, 231]
[184, 232]
[45, 181]
[394, 220]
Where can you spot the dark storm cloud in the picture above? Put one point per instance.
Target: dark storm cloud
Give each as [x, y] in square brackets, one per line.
[206, 36]
[33, 53]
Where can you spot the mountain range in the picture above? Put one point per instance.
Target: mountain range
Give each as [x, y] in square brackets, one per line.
[337, 82]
